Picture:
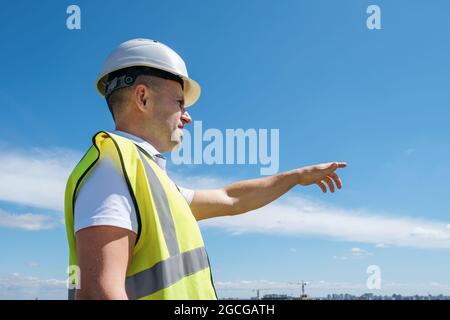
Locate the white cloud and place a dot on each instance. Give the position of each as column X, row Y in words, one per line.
column 445, row 286
column 358, row 252
column 27, row 221
column 340, row 258
column 296, row 216
column 17, row 286
column 253, row 284
column 33, row 264
column 199, row 181
column 36, row 177
column 429, row 233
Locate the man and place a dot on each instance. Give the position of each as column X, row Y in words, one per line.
column 132, row 232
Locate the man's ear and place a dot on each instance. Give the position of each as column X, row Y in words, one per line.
column 141, row 96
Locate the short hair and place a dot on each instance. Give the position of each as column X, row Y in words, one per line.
column 117, row 100
column 120, row 82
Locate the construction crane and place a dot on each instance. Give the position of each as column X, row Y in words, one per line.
column 303, row 284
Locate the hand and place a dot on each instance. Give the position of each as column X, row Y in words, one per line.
column 321, row 174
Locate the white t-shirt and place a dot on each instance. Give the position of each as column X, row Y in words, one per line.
column 104, row 199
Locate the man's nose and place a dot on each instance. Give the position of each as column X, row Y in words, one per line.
column 186, row 118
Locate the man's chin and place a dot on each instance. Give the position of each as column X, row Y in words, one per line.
column 176, row 138
column 175, row 145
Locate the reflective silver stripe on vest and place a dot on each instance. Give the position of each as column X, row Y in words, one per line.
column 162, row 207
column 165, row 273
column 71, row 294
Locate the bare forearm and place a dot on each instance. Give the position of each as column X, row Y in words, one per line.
column 252, row 194
column 249, row 195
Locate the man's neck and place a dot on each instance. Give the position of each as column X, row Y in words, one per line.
column 139, row 134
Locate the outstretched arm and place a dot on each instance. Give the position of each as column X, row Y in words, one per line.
column 252, row 194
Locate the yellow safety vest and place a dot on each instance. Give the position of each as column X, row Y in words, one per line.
column 169, row 258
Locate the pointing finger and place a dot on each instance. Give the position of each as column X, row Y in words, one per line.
column 336, row 165
column 341, row 164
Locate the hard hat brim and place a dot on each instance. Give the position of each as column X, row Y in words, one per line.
column 192, row 92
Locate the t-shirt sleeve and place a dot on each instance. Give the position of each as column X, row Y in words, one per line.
column 104, row 199
column 188, row 194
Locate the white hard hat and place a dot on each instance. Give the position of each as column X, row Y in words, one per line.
column 152, row 54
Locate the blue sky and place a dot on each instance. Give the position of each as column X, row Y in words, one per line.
column 377, row 99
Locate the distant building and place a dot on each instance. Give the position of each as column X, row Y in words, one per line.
column 277, row 297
